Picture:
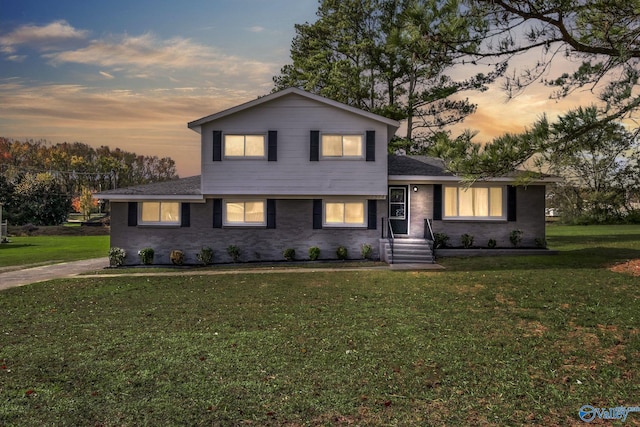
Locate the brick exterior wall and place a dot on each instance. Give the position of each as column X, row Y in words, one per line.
column 530, row 202
column 294, row 229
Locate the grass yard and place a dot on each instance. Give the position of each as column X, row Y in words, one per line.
column 492, row 341
column 28, row 250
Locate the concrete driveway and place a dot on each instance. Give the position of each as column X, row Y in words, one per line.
column 26, row 276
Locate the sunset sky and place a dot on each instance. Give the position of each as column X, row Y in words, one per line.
column 131, row 74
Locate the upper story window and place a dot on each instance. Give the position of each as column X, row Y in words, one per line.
column 341, row 145
column 159, row 213
column 345, row 214
column 244, row 212
column 244, row 146
column 474, row 202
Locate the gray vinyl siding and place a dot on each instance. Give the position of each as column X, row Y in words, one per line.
column 293, row 174
column 294, row 229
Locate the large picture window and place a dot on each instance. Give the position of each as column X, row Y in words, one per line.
column 474, row 202
column 244, row 212
column 159, row 213
column 341, row 145
column 345, row 214
column 244, row 146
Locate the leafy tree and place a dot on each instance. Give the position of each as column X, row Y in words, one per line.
column 603, row 36
column 85, row 203
column 598, row 166
column 39, row 199
column 389, row 57
column 78, row 165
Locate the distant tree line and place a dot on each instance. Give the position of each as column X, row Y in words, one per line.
column 39, row 180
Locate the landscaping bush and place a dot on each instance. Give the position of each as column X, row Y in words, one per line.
column 205, row 256
column 146, row 255
column 342, row 253
column 314, row 253
column 441, row 240
column 234, row 252
column 177, row 257
column 116, row 256
column 491, row 244
column 541, row 242
column 289, row 254
column 466, row 240
column 515, row 237
column 366, row 251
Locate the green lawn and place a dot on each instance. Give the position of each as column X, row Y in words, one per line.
column 493, row 341
column 50, row 249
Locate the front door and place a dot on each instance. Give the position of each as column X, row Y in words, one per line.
column 398, row 214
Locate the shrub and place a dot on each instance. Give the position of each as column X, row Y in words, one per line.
column 205, row 256
column 177, row 257
column 467, row 240
column 366, row 251
column 342, row 252
column 541, row 242
column 440, row 240
column 146, row 255
column 632, row 217
column 116, row 256
column 314, row 253
column 515, row 237
column 491, row 243
column 234, row 252
column 289, row 254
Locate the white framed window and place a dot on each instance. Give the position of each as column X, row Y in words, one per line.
column 159, row 213
column 345, row 213
column 244, row 146
column 244, row 212
column 486, row 202
column 334, row 145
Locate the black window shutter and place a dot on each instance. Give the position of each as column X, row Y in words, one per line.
column 437, row 202
column 217, row 213
column 217, row 145
column 185, row 215
column 511, row 202
column 272, row 152
column 271, row 213
column 132, row 214
column 371, row 146
column 317, row 214
column 314, row 146
column 372, row 214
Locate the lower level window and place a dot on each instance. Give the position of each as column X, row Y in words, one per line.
column 348, row 214
column 159, row 213
column 474, row 202
column 244, row 212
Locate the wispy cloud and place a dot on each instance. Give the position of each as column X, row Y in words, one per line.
column 147, row 56
column 52, row 36
column 106, row 75
column 152, row 121
column 256, row 29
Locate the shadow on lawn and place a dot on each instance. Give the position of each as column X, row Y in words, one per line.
column 16, row 245
column 586, row 258
column 596, row 238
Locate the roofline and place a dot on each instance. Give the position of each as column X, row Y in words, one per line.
column 196, row 198
column 196, row 124
column 436, row 179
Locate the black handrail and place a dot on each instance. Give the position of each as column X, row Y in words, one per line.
column 391, row 237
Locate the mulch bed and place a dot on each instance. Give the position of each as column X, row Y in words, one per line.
column 630, row 267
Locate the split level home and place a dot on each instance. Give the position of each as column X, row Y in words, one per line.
column 294, row 170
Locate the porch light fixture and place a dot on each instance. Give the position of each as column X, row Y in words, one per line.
column 415, row 188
